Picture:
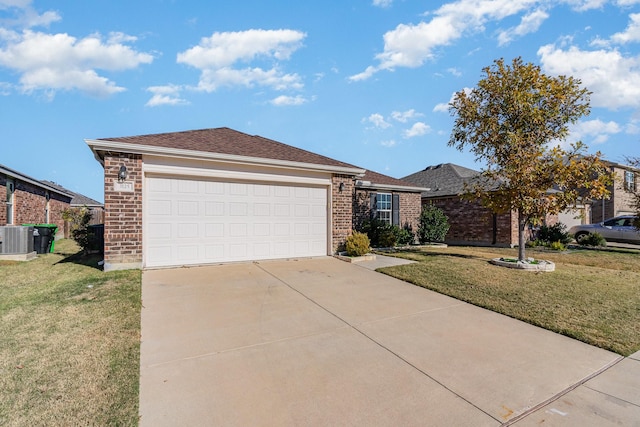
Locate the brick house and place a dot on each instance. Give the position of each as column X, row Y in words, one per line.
column 219, row 195
column 29, row 201
column 622, row 199
column 469, row 221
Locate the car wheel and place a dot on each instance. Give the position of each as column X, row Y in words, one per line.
column 581, row 235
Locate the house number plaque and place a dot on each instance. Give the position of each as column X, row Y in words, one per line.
column 123, row 186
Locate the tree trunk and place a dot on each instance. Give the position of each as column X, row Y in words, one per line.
column 522, row 228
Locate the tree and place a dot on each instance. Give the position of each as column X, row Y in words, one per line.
column 514, row 121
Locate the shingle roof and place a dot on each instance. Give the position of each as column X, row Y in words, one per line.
column 78, row 199
column 230, row 142
column 43, row 184
column 445, row 179
column 378, row 178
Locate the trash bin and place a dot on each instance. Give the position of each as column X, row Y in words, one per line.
column 47, row 233
column 96, row 232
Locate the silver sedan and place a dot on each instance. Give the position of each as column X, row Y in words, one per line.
column 618, row 229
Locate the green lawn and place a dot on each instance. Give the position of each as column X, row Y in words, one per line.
column 593, row 296
column 69, row 342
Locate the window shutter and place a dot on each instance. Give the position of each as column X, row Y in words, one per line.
column 373, row 206
column 395, row 210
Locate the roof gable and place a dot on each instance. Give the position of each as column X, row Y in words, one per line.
column 229, row 142
column 446, row 179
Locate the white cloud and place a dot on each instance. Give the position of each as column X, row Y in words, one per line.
column 529, row 23
column 283, row 100
column 444, row 106
column 418, row 129
column 410, row 45
column 388, row 143
column 377, row 120
column 218, row 56
column 613, row 78
column 382, row 3
column 53, row 62
column 25, row 16
column 165, row 95
column 5, row 88
column 631, row 33
column 405, row 116
column 596, row 131
column 584, row 5
column 454, row 72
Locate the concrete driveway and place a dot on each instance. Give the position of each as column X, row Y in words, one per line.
column 324, row 342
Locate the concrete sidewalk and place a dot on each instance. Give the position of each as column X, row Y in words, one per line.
column 324, row 342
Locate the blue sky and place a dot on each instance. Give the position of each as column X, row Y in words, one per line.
column 366, row 82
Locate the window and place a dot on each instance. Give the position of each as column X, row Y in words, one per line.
column 629, row 181
column 383, row 207
column 10, row 190
column 47, row 197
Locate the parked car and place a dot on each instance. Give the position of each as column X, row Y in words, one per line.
column 618, row 229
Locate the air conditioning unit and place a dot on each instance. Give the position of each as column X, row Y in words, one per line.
column 16, row 240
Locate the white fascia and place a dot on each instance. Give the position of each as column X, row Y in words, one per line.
column 373, row 186
column 97, row 145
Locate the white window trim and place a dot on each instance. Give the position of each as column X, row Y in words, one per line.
column 389, row 219
column 629, row 184
column 10, row 186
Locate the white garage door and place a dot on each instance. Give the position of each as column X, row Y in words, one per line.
column 192, row 221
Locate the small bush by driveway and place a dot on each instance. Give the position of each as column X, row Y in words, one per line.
column 593, row 296
column 69, row 342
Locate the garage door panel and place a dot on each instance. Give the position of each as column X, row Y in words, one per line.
column 189, row 222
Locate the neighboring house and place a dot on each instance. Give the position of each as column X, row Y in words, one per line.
column 621, row 201
column 219, row 195
column 469, row 221
column 81, row 201
column 30, row 201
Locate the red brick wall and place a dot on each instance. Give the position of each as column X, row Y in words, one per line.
column 471, row 223
column 29, row 202
column 341, row 210
column 123, row 212
column 410, row 207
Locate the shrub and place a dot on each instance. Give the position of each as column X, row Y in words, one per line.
column 593, row 239
column 555, row 233
column 357, row 244
column 433, row 225
column 79, row 219
column 557, row 246
column 404, row 235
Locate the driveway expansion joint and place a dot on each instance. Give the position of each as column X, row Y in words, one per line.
column 557, row 396
column 355, row 328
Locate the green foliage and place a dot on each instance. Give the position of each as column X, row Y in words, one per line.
column 593, row 239
column 357, row 244
column 79, row 218
column 433, row 225
column 405, row 235
column 557, row 246
column 512, row 121
column 555, row 233
column 385, row 235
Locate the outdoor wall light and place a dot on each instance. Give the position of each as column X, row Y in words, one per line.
column 122, row 174
column 341, row 187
